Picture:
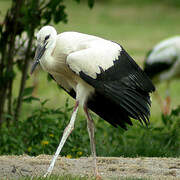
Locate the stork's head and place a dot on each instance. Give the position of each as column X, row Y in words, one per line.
column 46, row 38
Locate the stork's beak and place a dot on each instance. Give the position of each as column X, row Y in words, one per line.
column 38, row 54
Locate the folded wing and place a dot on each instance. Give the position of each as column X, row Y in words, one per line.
column 118, row 79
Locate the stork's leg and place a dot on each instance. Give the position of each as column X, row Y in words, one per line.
column 160, row 101
column 167, row 101
column 66, row 133
column 90, row 127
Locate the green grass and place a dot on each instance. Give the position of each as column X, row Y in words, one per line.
column 137, row 29
column 55, row 177
column 69, row 177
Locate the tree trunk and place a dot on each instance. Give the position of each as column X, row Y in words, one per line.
column 7, row 59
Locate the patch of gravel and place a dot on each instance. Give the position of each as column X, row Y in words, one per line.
column 109, row 167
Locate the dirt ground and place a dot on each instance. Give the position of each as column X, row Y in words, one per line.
column 12, row 167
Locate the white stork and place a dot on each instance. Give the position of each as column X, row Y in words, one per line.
column 163, row 64
column 99, row 75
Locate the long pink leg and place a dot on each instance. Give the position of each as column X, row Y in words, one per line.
column 160, row 101
column 167, row 106
column 90, row 127
column 66, row 133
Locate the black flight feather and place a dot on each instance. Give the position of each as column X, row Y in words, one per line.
column 121, row 92
column 127, row 89
column 106, row 109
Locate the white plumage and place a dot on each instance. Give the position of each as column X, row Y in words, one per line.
column 99, row 75
column 163, row 64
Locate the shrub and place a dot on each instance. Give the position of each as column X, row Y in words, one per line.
column 40, row 133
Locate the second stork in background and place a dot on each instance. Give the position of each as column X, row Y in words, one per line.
column 162, row 64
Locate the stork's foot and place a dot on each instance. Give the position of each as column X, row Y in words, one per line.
column 48, row 173
column 98, row 177
column 96, row 171
column 166, row 112
column 50, row 168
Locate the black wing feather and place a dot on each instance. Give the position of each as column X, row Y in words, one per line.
column 108, row 110
column 127, row 87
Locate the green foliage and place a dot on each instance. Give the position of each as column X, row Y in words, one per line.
column 24, row 16
column 157, row 141
column 143, row 2
column 90, row 2
column 40, row 133
column 55, row 177
column 70, row 177
column 161, row 140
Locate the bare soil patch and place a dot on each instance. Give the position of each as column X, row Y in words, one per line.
column 109, row 167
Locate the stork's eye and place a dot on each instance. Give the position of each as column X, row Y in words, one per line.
column 47, row 37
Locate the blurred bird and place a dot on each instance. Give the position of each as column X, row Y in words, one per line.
column 163, row 64
column 99, row 75
column 21, row 45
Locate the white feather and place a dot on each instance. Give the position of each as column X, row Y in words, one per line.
column 80, row 52
column 100, row 53
column 166, row 50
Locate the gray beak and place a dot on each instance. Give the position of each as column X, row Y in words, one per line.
column 38, row 54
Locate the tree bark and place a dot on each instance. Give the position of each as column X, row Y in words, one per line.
column 11, row 34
